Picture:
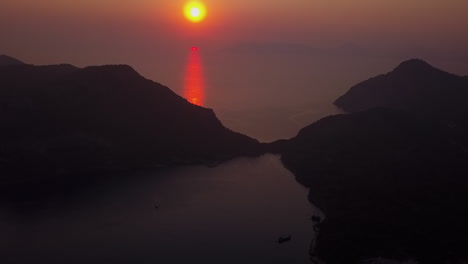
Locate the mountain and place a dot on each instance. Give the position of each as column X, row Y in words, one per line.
column 413, row 86
column 7, row 60
column 61, row 120
column 391, row 185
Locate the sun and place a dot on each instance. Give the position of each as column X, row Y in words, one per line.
column 195, row 11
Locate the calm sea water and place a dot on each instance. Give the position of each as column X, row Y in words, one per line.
column 233, row 213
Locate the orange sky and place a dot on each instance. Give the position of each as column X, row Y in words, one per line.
column 298, row 20
column 106, row 31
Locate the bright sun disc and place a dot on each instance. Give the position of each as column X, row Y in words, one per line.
column 195, row 11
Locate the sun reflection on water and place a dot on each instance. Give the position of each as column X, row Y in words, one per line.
column 194, row 84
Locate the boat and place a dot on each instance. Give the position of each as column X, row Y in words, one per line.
column 283, row 239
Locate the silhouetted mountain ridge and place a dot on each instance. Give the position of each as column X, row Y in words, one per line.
column 414, row 65
column 413, row 86
column 391, row 176
column 71, row 120
column 7, row 60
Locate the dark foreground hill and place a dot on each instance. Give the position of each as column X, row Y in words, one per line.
column 7, row 60
column 391, row 185
column 413, row 86
column 60, row 120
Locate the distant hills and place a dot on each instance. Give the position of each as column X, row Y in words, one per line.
column 60, row 120
column 413, row 86
column 7, row 60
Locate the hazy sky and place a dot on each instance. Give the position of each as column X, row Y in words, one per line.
column 29, row 26
column 153, row 36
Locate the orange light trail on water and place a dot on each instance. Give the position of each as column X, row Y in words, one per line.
column 194, row 90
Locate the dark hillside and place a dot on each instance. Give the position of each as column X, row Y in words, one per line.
column 61, row 120
column 391, row 185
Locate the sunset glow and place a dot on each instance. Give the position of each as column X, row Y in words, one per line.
column 195, row 11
